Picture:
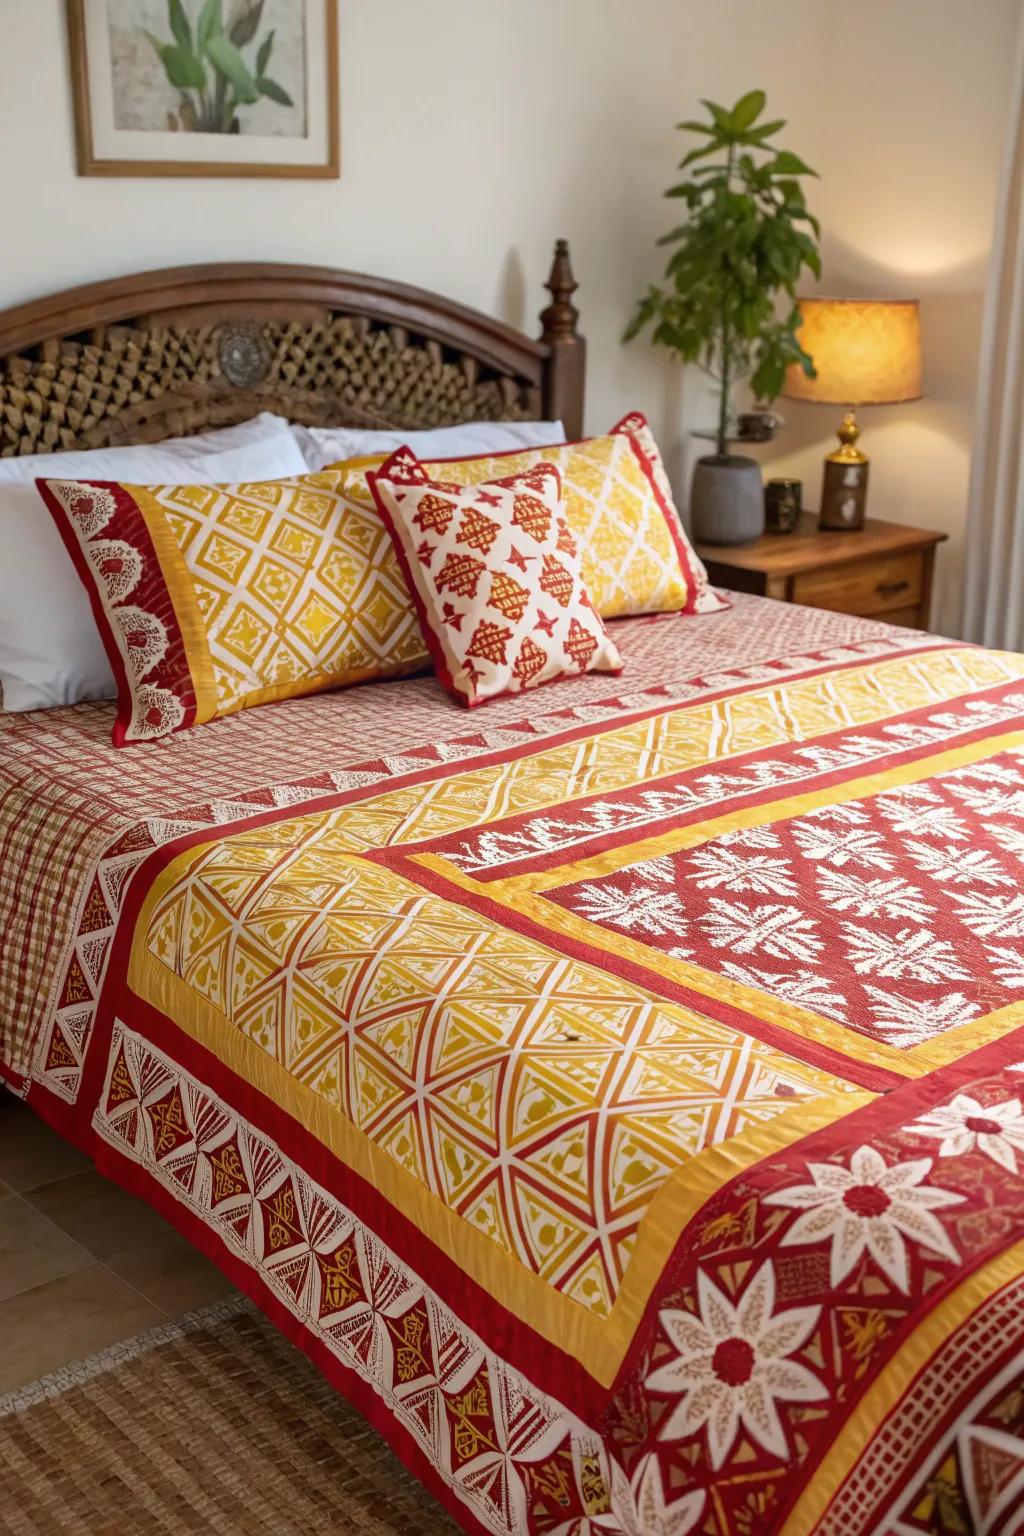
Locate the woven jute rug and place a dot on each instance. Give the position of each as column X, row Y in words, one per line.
column 214, row 1425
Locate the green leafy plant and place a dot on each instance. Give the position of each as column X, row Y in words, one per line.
column 748, row 237
column 205, row 64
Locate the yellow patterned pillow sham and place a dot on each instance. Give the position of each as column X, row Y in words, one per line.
column 634, row 553
column 212, row 599
column 635, row 556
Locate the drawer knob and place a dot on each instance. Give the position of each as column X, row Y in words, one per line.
column 891, row 588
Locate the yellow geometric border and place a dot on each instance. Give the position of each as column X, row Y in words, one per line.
column 599, row 1343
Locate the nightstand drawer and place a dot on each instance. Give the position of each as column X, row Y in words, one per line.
column 863, row 587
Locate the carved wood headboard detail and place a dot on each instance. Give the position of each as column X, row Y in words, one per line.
column 165, row 354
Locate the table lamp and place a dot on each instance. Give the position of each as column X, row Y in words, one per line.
column 866, row 352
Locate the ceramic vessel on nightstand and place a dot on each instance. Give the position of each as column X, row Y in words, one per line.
column 727, row 499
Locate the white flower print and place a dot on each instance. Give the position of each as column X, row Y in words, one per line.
column 918, row 955
column 751, row 837
column 959, row 866
column 990, row 801
column 1006, row 963
column 633, row 906
column 716, row 867
column 996, row 1130
column 780, row 931
column 987, row 772
column 842, row 845
column 991, row 914
column 733, row 1366
column 870, row 1207
column 662, row 869
column 804, row 988
column 642, row 1509
column 848, row 812
column 872, row 898
column 904, row 1021
column 917, row 808
column 1010, row 839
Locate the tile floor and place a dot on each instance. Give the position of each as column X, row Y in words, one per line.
column 82, row 1264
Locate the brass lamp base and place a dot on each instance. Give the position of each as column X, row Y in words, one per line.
column 844, row 490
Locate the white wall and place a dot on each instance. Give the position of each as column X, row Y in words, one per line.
column 475, row 131
column 917, row 95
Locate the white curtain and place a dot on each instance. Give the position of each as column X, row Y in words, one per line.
column 994, row 576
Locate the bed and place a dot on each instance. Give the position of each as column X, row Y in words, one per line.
column 616, row 1093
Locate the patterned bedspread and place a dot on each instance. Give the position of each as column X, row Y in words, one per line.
column 618, row 1095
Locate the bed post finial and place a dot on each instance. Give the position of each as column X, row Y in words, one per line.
column 564, row 380
column 560, row 317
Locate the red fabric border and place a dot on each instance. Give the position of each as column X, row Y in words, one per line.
column 137, row 1180
column 154, row 598
column 670, row 514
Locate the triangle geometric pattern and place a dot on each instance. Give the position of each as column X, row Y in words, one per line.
column 541, row 1099
column 971, row 1479
column 505, row 1450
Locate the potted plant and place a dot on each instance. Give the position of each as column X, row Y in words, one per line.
column 747, row 239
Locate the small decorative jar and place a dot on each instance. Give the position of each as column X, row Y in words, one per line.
column 782, row 505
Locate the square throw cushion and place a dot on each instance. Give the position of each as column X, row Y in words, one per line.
column 51, row 652
column 327, row 445
column 495, row 574
column 212, row 599
column 635, row 556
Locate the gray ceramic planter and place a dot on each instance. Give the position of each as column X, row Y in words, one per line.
column 727, row 500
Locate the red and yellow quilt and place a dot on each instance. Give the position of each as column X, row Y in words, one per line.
column 624, row 1106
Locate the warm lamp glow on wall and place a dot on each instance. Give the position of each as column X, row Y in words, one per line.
column 866, row 352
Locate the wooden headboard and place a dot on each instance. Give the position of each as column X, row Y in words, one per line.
column 166, row 354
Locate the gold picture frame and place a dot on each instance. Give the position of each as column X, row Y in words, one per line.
column 263, row 128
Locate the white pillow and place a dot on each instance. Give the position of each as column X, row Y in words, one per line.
column 50, row 649
column 330, row 445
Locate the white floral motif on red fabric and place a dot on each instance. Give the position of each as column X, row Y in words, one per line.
column 871, row 1208
column 496, row 576
column 732, row 1364
column 994, row 1130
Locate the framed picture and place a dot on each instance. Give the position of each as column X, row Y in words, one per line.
column 206, row 87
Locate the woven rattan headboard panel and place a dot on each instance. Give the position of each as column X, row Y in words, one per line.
column 169, row 353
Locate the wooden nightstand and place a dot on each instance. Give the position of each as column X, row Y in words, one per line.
column 883, row 570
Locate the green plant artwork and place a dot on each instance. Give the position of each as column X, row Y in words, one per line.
column 206, row 65
column 743, row 247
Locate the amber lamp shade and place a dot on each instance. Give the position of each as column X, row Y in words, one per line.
column 865, row 352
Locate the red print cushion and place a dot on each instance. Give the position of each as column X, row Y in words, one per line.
column 495, row 575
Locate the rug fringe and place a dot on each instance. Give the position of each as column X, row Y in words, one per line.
column 58, row 1382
